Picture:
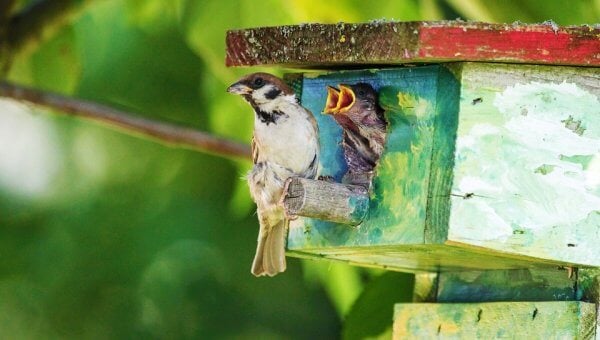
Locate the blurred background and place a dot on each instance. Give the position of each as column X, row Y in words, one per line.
column 105, row 235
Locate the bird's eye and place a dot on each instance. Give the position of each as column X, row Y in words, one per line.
column 258, row 83
column 361, row 93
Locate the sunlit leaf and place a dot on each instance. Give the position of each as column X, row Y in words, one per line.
column 341, row 281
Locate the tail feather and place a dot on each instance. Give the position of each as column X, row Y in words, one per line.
column 270, row 251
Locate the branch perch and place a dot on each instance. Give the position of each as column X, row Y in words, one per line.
column 335, row 202
column 170, row 134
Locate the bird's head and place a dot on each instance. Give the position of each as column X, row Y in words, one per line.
column 262, row 89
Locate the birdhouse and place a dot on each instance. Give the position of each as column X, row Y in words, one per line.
column 489, row 182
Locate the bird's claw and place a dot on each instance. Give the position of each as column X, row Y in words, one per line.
column 284, row 195
column 326, row 178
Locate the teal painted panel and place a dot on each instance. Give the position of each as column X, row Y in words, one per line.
column 399, row 199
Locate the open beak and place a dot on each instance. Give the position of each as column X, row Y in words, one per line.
column 239, row 88
column 333, row 96
column 346, row 99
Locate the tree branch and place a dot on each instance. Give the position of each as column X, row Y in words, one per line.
column 165, row 133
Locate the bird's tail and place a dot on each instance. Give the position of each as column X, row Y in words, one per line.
column 270, row 251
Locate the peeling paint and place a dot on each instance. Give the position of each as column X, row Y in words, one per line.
column 538, row 172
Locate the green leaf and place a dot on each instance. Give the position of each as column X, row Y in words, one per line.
column 341, row 281
column 54, row 66
column 371, row 315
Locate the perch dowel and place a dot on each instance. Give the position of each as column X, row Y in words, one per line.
column 335, row 202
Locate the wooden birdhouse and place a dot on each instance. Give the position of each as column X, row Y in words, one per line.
column 489, row 184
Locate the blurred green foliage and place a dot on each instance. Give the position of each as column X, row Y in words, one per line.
column 105, row 235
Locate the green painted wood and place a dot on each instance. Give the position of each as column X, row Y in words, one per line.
column 511, row 285
column 493, row 320
column 410, row 97
column 589, row 290
column 401, row 202
column 507, row 285
column 487, row 166
column 527, row 164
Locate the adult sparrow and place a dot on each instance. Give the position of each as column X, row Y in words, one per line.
column 285, row 144
column 356, row 110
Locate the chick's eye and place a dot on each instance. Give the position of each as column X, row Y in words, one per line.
column 361, row 92
column 258, row 82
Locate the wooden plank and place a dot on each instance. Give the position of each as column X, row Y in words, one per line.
column 378, row 42
column 590, row 291
column 417, row 258
column 527, row 162
column 492, row 320
column 507, row 285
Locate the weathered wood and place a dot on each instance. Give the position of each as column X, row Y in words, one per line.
column 527, row 171
column 400, row 191
column 507, row 285
column 590, row 291
column 547, row 284
column 487, row 166
column 493, row 320
column 334, row 202
column 379, row 42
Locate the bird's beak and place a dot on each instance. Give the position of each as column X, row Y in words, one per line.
column 333, row 96
column 239, row 88
column 346, row 99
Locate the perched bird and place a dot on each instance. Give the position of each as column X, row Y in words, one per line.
column 285, row 144
column 356, row 110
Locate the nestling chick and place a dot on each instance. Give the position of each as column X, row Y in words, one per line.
column 355, row 109
column 285, row 144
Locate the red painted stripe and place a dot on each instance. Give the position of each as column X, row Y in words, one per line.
column 536, row 44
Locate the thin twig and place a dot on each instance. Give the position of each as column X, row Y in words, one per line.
column 166, row 133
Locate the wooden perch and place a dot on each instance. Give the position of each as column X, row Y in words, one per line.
column 334, row 202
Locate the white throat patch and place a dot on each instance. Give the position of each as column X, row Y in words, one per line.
column 266, row 104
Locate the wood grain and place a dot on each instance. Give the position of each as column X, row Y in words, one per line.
column 384, row 43
column 334, row 202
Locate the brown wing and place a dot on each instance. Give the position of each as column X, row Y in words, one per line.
column 254, row 151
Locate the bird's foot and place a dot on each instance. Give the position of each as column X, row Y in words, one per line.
column 326, row 178
column 285, row 195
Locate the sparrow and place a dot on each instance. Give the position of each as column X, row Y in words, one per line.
column 355, row 108
column 284, row 144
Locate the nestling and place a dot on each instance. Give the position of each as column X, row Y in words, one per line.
column 285, row 144
column 356, row 110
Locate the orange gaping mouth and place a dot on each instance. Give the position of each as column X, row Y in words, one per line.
column 339, row 101
column 333, row 96
column 346, row 99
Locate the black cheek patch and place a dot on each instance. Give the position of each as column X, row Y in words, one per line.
column 272, row 94
column 266, row 117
